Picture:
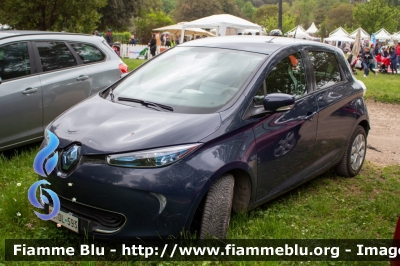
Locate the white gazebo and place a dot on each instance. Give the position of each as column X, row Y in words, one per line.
column 222, row 23
column 312, row 29
column 299, row 33
column 339, row 32
column 383, row 35
column 177, row 29
column 364, row 35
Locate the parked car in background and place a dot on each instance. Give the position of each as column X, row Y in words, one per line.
column 42, row 74
column 208, row 127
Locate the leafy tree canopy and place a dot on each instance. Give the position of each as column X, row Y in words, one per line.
column 55, row 15
column 271, row 22
column 188, row 10
column 117, row 14
column 152, row 20
column 248, row 10
column 168, row 5
column 266, row 11
column 341, row 16
column 376, row 14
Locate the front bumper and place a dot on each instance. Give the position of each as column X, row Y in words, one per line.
column 115, row 203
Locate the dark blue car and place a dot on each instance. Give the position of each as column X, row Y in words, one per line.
column 210, row 127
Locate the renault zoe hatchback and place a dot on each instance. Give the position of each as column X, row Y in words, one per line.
column 210, row 127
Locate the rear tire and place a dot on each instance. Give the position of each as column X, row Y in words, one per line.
column 217, row 208
column 354, row 156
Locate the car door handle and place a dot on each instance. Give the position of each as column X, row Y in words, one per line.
column 82, row 78
column 310, row 116
column 30, row 91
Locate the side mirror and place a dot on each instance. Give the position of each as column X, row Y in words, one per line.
column 1, row 80
column 277, row 102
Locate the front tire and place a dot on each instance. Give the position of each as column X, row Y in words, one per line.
column 217, row 208
column 354, row 155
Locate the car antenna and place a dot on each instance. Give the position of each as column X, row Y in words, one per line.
column 294, row 36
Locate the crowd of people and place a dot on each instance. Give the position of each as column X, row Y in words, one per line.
column 379, row 58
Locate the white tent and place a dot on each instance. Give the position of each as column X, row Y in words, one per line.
column 222, row 23
column 364, row 34
column 177, row 29
column 339, row 39
column 299, row 33
column 339, row 32
column 312, row 29
column 383, row 35
column 396, row 36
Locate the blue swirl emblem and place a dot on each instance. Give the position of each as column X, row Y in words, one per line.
column 44, row 153
column 32, row 198
column 43, row 169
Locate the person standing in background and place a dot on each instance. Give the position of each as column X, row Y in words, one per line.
column 158, row 43
column 393, row 59
column 398, row 54
column 367, row 61
column 109, row 38
column 132, row 40
column 152, row 45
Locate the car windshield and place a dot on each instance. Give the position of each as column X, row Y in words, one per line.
column 191, row 79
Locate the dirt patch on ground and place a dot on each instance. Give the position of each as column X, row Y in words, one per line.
column 384, row 136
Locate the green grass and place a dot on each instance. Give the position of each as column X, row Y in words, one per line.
column 382, row 88
column 328, row 207
column 133, row 63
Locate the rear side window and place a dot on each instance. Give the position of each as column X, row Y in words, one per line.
column 326, row 69
column 55, row 55
column 14, row 61
column 88, row 53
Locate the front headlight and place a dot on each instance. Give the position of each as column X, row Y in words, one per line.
column 46, row 135
column 151, row 158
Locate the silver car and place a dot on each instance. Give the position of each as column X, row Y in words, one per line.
column 42, row 74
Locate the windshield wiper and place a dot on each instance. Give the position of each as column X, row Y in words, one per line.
column 159, row 107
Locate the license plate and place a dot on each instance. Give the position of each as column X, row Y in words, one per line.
column 65, row 220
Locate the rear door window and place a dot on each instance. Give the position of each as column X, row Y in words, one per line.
column 88, row 53
column 326, row 69
column 55, row 55
column 14, row 61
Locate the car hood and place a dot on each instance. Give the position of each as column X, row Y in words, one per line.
column 104, row 127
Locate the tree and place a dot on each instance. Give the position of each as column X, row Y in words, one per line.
column 168, row 5
column 269, row 11
column 376, row 14
column 271, row 22
column 304, row 10
column 117, row 14
column 240, row 3
column 188, row 10
column 248, row 10
column 263, row 11
column 55, row 15
column 341, row 15
column 145, row 24
column 230, row 7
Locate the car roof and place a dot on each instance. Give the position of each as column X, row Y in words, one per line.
column 13, row 33
column 258, row 44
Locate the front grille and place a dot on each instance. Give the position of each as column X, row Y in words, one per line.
column 107, row 219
